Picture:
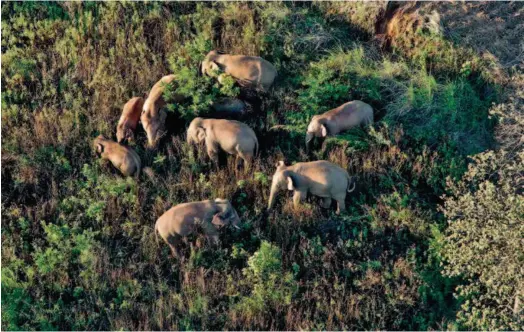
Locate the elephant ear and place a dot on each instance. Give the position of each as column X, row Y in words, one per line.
column 99, row 148
column 324, row 130
column 201, row 134
column 291, row 182
column 214, row 66
column 219, row 219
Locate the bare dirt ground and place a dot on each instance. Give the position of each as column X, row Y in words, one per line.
column 493, row 29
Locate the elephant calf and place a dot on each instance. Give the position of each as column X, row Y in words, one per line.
column 122, row 157
column 182, row 219
column 344, row 117
column 129, row 119
column 235, row 138
column 153, row 117
column 320, row 178
column 249, row 70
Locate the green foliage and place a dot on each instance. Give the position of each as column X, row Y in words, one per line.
column 200, row 90
column 95, row 193
column 483, row 242
column 78, row 249
column 271, row 289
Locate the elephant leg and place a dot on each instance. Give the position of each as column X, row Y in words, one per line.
column 213, row 155
column 298, row 197
column 326, row 202
column 247, row 157
column 174, row 243
column 341, row 204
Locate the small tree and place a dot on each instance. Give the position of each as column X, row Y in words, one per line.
column 484, row 241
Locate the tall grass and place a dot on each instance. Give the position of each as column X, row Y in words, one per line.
column 78, row 249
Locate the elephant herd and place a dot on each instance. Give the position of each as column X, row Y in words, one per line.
column 319, row 178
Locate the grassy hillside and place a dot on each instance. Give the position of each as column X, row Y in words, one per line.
column 78, row 248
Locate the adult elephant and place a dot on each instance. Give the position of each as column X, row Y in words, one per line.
column 337, row 120
column 182, row 220
column 153, row 115
column 233, row 137
column 125, row 159
column 251, row 71
column 320, row 178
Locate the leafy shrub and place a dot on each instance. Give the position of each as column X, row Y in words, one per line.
column 78, row 249
column 271, row 289
column 200, row 90
column 483, row 242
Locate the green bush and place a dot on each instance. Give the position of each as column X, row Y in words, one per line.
column 271, row 289
column 78, row 244
column 483, row 242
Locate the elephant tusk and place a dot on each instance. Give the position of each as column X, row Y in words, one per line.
column 351, row 190
column 236, row 226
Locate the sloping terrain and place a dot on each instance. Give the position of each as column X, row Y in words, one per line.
column 78, row 244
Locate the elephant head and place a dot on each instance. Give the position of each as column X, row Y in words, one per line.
column 209, row 66
column 282, row 179
column 196, row 133
column 226, row 214
column 316, row 128
column 154, row 126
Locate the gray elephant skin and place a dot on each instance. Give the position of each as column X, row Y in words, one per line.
column 182, row 220
column 250, row 71
column 233, row 137
column 229, row 107
column 319, row 178
column 125, row 159
column 153, row 116
column 125, row 130
column 337, row 120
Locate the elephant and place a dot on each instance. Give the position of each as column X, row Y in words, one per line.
column 251, row 71
column 129, row 119
column 181, row 220
column 229, row 107
column 234, row 137
column 153, row 117
column 122, row 157
column 344, row 117
column 320, row 178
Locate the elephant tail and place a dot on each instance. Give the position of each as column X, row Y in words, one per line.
column 138, row 168
column 156, row 233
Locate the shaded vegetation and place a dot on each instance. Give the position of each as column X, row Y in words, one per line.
column 78, row 249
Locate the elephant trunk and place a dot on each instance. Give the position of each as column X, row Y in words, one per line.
column 309, row 140
column 236, row 220
column 272, row 197
column 151, row 143
column 352, row 184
